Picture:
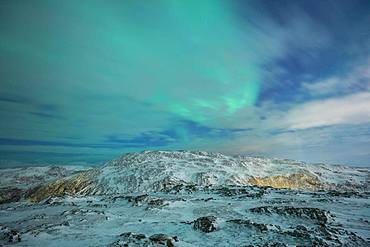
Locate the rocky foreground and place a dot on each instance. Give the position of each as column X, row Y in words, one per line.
column 186, row 199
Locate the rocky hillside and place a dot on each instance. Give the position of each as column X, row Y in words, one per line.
column 187, row 199
column 162, row 170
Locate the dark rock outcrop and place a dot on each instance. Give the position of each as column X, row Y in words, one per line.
column 316, row 214
column 163, row 239
column 9, row 235
column 139, row 239
column 241, row 191
column 206, row 224
column 258, row 226
column 9, row 194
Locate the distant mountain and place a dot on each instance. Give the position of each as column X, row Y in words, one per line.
column 163, row 170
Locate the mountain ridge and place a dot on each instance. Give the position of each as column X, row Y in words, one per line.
column 157, row 170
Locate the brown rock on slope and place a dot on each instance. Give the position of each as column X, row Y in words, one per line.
column 81, row 183
column 292, row 181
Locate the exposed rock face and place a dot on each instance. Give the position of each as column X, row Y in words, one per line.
column 10, row 195
column 206, row 224
column 138, row 239
column 240, row 191
column 318, row 215
column 293, row 181
column 82, row 183
column 157, row 203
column 258, row 226
column 163, row 239
column 9, row 235
column 138, row 200
column 268, row 245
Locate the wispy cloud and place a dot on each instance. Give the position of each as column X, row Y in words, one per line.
column 352, row 109
column 356, row 79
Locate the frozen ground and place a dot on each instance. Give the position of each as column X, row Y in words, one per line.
column 186, row 199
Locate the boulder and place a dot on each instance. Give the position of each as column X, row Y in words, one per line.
column 206, row 224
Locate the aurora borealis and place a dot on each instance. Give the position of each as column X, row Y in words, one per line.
column 88, row 80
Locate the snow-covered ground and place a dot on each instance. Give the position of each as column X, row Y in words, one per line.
column 185, row 198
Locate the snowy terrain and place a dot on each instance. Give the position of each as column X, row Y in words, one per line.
column 159, row 198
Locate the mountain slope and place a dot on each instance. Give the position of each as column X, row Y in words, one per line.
column 158, row 170
column 186, row 199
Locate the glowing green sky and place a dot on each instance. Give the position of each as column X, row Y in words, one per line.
column 106, row 77
column 189, row 58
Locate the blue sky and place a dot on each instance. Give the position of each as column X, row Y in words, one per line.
column 88, row 80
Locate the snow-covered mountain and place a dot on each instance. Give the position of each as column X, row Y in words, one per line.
column 157, row 170
column 184, row 198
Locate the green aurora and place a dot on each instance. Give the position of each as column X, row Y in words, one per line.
column 106, row 77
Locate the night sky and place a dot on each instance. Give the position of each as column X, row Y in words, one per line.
column 89, row 80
